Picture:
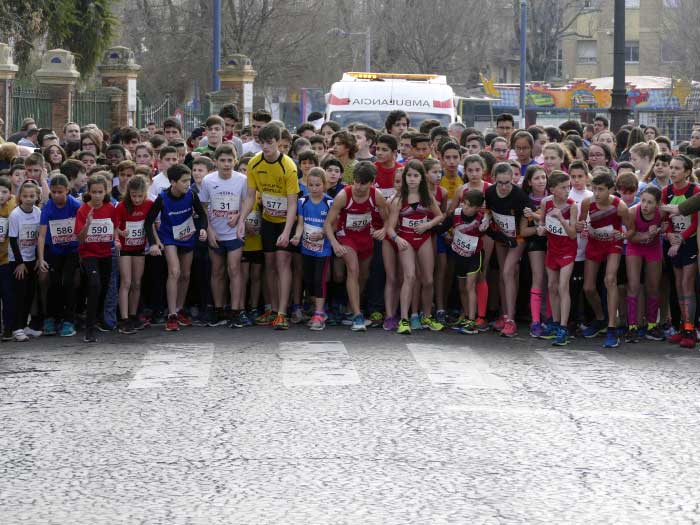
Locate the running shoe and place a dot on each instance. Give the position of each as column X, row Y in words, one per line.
column 20, row 336
column 171, row 325
column 468, row 328
column 89, row 336
column 266, row 318
column 654, row 333
column 236, row 321
column 126, row 326
column 632, row 336
column 297, row 314
column 244, row 319
column 612, row 340
column 441, row 317
column 562, row 338
column 49, row 327
column 390, row 324
column 144, row 321
column 31, row 332
column 317, row 323
column 549, row 331
column 217, row 318
column 358, row 323
column 459, row 323
column 510, row 329
column 415, row 322
column 348, row 319
column 482, row 325
column 7, row 335
column 183, row 319
column 404, row 327
column 377, row 319
column 429, row 322
column 676, row 338
column 688, row 340
column 499, row 323
column 536, row 330
column 280, row 322
column 595, row 329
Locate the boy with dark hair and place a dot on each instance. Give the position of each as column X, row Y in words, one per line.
column 344, row 148
column 306, row 130
column 427, row 126
column 405, row 147
column 365, row 137
column 129, row 138
column 166, row 158
column 318, row 145
column 420, row 147
column 352, row 210
column 397, row 123
column 172, row 129
column 505, row 125
column 274, row 175
column 75, row 172
column 258, row 119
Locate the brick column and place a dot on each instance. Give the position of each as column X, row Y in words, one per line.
column 8, row 70
column 118, row 70
column 237, row 76
column 59, row 76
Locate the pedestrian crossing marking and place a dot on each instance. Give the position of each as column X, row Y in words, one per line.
column 317, row 363
column 175, row 365
column 458, row 365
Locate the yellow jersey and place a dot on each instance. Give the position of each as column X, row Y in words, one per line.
column 275, row 181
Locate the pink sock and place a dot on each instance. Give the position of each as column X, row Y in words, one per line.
column 535, row 304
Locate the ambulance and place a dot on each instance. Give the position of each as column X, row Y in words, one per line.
column 369, row 97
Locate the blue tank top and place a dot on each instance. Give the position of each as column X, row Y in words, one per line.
column 314, row 217
column 176, row 220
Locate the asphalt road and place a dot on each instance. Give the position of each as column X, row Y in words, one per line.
column 252, row 426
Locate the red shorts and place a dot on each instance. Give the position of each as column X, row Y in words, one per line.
column 414, row 239
column 363, row 245
column 598, row 251
column 558, row 260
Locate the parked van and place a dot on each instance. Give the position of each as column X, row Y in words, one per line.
column 369, row 97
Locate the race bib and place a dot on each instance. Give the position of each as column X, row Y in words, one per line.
column 254, row 220
column 554, row 226
column 463, row 244
column 505, row 223
column 184, row 231
column 681, row 223
column 312, row 246
column 275, row 206
column 62, row 231
column 387, row 192
column 358, row 221
column 28, row 235
column 100, row 230
column 410, row 224
column 135, row 233
column 606, row 233
column 224, row 204
column 4, row 225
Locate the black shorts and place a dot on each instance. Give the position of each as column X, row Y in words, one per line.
column 536, row 244
column 269, row 233
column 133, row 253
column 315, row 272
column 253, row 257
column 465, row 266
column 687, row 254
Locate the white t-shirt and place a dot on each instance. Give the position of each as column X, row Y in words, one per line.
column 578, row 197
column 159, row 183
column 224, row 199
column 25, row 226
column 251, row 147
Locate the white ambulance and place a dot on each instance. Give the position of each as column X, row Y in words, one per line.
column 369, row 97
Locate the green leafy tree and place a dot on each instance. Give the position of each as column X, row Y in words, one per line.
column 84, row 27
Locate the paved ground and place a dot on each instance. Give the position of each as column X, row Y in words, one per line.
column 212, row 426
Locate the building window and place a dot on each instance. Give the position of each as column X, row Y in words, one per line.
column 632, row 52
column 672, row 4
column 587, row 52
column 559, row 62
column 631, row 4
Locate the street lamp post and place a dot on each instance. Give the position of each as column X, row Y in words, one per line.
column 216, row 45
column 336, row 31
column 523, row 59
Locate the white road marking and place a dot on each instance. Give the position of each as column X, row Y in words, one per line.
column 592, row 372
column 686, row 362
column 175, row 365
column 457, row 365
column 317, row 363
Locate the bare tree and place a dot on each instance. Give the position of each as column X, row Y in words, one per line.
column 680, row 38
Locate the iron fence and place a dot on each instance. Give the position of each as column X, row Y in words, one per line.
column 30, row 102
column 92, row 107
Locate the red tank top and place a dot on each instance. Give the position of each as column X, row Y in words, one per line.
column 356, row 217
column 557, row 238
column 605, row 222
column 410, row 216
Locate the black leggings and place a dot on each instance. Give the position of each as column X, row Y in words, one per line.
column 62, row 286
column 24, row 294
column 98, row 271
column 315, row 271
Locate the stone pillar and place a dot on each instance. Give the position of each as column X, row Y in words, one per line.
column 237, row 76
column 118, row 70
column 8, row 70
column 58, row 76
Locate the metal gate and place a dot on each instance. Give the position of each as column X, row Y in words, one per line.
column 92, row 107
column 154, row 113
column 29, row 102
